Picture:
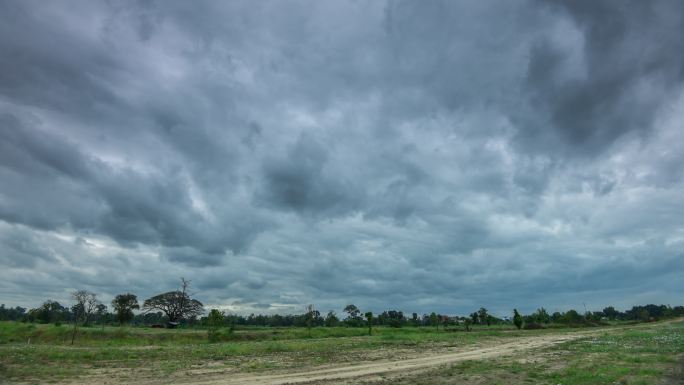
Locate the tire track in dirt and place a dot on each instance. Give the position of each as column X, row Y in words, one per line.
column 343, row 373
column 366, row 371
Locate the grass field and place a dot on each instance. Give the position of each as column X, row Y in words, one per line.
column 641, row 354
column 653, row 355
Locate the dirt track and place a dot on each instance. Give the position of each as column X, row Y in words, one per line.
column 372, row 370
column 413, row 362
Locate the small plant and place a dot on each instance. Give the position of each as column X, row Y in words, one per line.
column 517, row 319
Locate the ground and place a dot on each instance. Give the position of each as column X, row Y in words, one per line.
column 651, row 353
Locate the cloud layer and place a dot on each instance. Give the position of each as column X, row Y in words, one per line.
column 426, row 156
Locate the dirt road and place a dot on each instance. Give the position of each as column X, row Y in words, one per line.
column 375, row 369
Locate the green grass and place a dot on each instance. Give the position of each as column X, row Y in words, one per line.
column 617, row 356
column 30, row 351
column 15, row 332
column 635, row 356
column 43, row 352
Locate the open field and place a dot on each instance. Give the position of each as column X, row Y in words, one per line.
column 631, row 354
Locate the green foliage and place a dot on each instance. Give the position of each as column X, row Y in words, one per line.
column 434, row 320
column 369, row 319
column 331, row 319
column 177, row 305
column 483, row 316
column 49, row 312
column 517, row 319
column 12, row 314
column 393, row 318
column 353, row 315
column 571, row 317
column 541, row 316
column 214, row 323
column 123, row 305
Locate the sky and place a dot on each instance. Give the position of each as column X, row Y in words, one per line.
column 413, row 155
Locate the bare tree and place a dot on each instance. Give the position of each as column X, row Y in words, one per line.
column 86, row 304
column 176, row 304
column 310, row 314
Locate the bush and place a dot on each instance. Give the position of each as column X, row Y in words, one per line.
column 214, row 323
column 533, row 326
column 517, row 319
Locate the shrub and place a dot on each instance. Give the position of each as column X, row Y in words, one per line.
column 214, row 322
column 517, row 319
column 533, row 326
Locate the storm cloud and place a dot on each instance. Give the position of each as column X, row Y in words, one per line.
column 425, row 156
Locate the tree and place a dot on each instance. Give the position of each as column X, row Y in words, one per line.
column 11, row 314
column 123, row 305
column 540, row 316
column 354, row 315
column 369, row 318
column 517, row 319
column 434, row 320
column 414, row 319
column 393, row 318
column 214, row 323
column 610, row 312
column 331, row 319
column 571, row 317
column 466, row 322
column 483, row 316
column 49, row 311
column 309, row 317
column 177, row 305
column 444, row 320
column 101, row 313
column 86, row 304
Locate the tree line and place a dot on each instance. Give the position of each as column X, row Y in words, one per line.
column 170, row 308
column 177, row 307
column 124, row 304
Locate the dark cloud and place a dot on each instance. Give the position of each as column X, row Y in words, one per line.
column 302, row 182
column 423, row 156
column 626, row 64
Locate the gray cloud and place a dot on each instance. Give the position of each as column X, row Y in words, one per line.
column 624, row 64
column 424, row 156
